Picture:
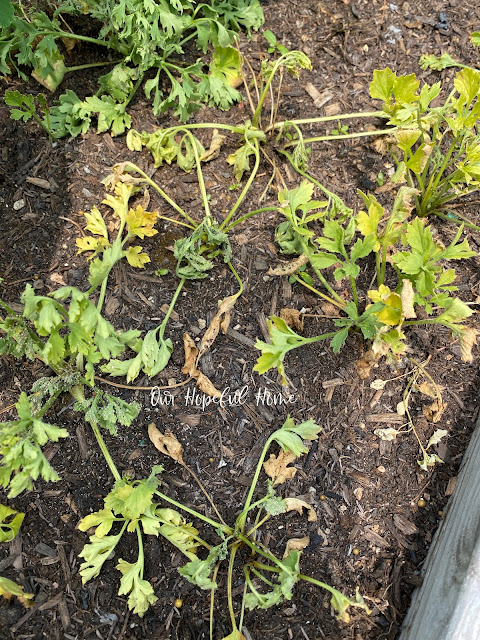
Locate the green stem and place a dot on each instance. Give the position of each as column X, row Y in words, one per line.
column 344, row 116
column 247, row 186
column 141, row 558
column 249, row 215
column 201, row 181
column 91, row 65
column 319, row 293
column 104, row 450
column 457, row 218
column 74, row 36
column 347, row 136
column 133, row 91
column 308, row 252
column 318, row 583
column 231, row 561
column 47, row 405
column 170, row 308
column 259, row 524
column 216, row 525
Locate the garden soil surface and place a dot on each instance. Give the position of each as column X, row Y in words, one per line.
column 371, row 533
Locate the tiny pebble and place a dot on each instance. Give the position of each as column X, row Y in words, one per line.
column 440, row 513
column 421, row 503
column 178, row 603
column 19, row 204
column 355, row 551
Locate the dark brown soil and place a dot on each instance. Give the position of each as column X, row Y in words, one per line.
column 365, row 491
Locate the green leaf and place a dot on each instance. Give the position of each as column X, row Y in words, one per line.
column 437, row 63
column 131, row 499
column 10, row 523
column 108, row 411
column 240, row 160
column 199, row 571
column 405, row 89
column 341, row 603
column 338, row 340
column 225, row 73
column 290, row 436
column 111, row 115
column 475, row 38
column 382, row 84
column 6, row 13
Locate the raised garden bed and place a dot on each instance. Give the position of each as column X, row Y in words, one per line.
column 376, row 510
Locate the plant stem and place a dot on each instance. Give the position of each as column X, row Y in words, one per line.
column 308, row 252
column 170, row 308
column 458, row 219
column 231, row 560
column 319, row 293
column 104, row 450
column 347, row 136
column 216, row 525
column 248, row 215
column 247, row 186
column 91, row 65
column 343, row 116
column 133, row 167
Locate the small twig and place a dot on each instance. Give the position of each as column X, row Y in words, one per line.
column 126, row 386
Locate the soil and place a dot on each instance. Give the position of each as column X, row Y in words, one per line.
column 371, row 532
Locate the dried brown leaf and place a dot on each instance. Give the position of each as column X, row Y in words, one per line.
column 467, row 338
column 434, row 411
column 190, row 368
column 289, row 268
column 293, row 318
column 364, row 365
column 294, row 504
column 427, row 389
column 220, row 321
column 215, row 146
column 167, row 443
column 296, row 544
column 277, row 467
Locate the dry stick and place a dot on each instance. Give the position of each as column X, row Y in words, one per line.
column 126, row 386
column 204, row 491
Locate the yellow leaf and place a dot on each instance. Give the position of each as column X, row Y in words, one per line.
column 8, row 588
column 294, row 504
column 167, row 443
column 119, row 203
column 140, row 223
column 277, row 467
column 89, row 243
column 95, row 222
column 391, row 315
column 136, row 258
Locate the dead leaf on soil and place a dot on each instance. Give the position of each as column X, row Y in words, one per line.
column 434, row 411
column 294, row 504
column 69, row 44
column 167, row 443
column 467, row 338
column 220, row 321
column 57, row 278
column 277, row 467
column 119, row 174
column 190, row 368
column 215, row 146
column 293, row 318
column 364, row 365
column 296, row 544
column 407, row 296
column 289, row 268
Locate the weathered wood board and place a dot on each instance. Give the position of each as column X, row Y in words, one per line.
column 447, row 605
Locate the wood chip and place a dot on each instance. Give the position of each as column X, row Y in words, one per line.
column 375, row 539
column 452, row 483
column 319, row 99
column 335, row 382
column 389, row 418
column 333, row 109
column 39, row 182
column 404, row 525
column 361, row 478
